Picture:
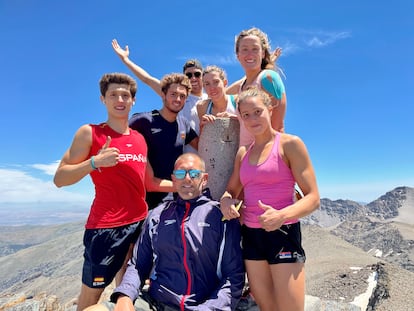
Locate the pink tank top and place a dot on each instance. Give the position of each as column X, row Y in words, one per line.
column 271, row 182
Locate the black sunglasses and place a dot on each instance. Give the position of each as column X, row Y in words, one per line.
column 196, row 74
column 180, row 174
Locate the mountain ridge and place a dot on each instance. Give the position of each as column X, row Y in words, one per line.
column 48, row 259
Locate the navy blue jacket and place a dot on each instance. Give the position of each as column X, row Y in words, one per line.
column 192, row 257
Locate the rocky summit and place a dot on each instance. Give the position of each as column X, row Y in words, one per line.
column 359, row 257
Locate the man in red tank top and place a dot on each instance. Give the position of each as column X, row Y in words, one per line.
column 115, row 157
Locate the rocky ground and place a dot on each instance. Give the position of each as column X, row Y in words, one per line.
column 342, row 261
column 337, row 273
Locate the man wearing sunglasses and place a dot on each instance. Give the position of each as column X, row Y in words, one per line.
column 192, row 69
column 191, row 256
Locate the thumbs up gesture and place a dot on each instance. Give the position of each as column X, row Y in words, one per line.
column 107, row 156
column 107, row 143
column 271, row 219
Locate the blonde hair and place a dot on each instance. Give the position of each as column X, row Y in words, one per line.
column 213, row 68
column 253, row 91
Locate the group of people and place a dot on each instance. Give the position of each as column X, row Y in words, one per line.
column 153, row 226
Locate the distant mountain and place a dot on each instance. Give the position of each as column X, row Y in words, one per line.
column 45, row 261
column 52, row 266
column 15, row 238
column 384, row 227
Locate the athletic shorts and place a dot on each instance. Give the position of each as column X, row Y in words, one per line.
column 105, row 253
column 280, row 246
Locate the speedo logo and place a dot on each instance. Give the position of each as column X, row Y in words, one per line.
column 169, row 222
column 155, row 130
column 203, row 224
column 126, row 157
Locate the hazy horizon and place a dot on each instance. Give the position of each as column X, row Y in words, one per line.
column 50, row 213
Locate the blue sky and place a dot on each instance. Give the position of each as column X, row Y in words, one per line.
column 348, row 65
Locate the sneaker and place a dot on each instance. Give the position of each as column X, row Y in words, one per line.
column 246, row 301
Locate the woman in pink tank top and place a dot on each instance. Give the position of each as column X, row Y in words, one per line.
column 267, row 172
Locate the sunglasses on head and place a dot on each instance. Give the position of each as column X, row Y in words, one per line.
column 180, row 174
column 196, row 74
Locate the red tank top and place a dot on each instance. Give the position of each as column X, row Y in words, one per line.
column 119, row 190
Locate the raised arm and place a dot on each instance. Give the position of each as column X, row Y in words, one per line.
column 138, row 71
column 275, row 55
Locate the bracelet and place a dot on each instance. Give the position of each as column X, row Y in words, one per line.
column 93, row 163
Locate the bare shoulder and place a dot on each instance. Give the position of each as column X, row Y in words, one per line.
column 202, row 102
column 286, row 137
column 241, row 152
column 85, row 129
column 201, row 107
column 290, row 142
column 235, row 87
column 84, row 134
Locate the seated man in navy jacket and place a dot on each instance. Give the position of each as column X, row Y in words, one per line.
column 192, row 258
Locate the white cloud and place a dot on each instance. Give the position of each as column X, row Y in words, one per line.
column 18, row 186
column 321, row 39
column 315, row 41
column 289, row 48
column 295, row 41
column 48, row 169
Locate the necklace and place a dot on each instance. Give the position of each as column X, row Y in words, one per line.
column 245, row 84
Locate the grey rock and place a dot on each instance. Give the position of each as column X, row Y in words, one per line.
column 345, row 242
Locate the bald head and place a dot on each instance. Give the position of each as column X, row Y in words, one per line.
column 189, row 177
column 191, row 157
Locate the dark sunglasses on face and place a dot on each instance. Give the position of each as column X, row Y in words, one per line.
column 196, row 74
column 180, row 174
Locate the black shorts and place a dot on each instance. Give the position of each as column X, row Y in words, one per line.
column 105, row 252
column 280, row 246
